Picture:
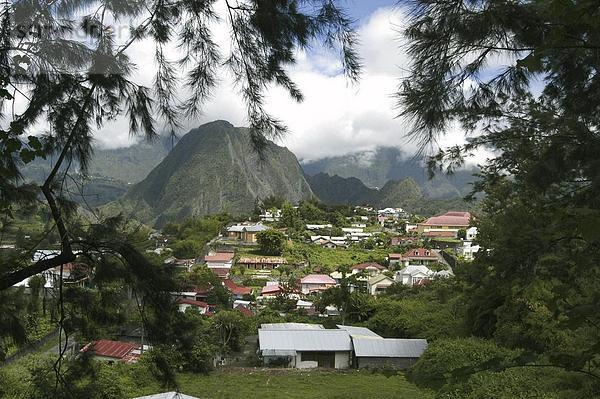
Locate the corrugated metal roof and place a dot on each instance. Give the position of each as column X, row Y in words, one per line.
column 306, row 340
column 291, row 326
column 388, row 347
column 358, row 331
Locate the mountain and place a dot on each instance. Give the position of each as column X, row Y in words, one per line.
column 405, row 193
column 376, row 168
column 214, row 169
column 132, row 164
column 341, row 190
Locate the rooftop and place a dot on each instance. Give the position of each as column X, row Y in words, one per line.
column 368, row 265
column 304, row 340
column 219, row 257
column 317, row 279
column 108, row 348
column 358, row 331
column 388, row 347
column 291, row 326
column 450, row 219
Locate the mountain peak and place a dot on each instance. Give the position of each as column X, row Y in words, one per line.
column 213, row 169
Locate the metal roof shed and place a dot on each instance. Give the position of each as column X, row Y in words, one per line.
column 358, row 331
column 305, row 340
column 291, row 326
column 377, row 352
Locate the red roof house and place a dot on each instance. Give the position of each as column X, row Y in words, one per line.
column 316, row 282
column 270, row 290
column 236, row 290
column 368, row 266
column 244, row 310
column 105, row 349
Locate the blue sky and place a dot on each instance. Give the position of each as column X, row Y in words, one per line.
column 361, row 9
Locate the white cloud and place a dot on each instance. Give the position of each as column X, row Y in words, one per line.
column 336, row 117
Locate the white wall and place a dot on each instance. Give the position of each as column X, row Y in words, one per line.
column 342, row 360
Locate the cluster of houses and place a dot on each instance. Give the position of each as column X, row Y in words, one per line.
column 300, row 345
column 350, row 235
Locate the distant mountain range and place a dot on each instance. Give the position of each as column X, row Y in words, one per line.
column 376, row 168
column 214, row 169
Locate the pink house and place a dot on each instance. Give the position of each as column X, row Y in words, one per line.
column 316, row 282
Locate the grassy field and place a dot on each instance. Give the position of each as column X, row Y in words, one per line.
column 266, row 384
column 131, row 381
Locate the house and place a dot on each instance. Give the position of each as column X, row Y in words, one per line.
column 468, row 250
column 350, row 230
column 414, row 275
column 378, row 284
column 316, row 283
column 107, row 350
column 271, row 289
column 244, row 310
column 449, row 221
column 245, row 233
column 471, row 233
column 237, row 291
column 183, row 264
column 305, row 348
column 318, row 226
column 368, row 267
column 370, row 352
column 308, row 306
column 301, row 345
column 441, row 234
column 221, row 260
column 329, row 242
column 264, row 263
column 270, row 216
column 403, row 240
column 416, row 256
column 221, row 272
column 393, row 213
column 185, row 303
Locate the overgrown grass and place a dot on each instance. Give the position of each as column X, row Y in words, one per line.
column 331, row 258
column 248, row 383
column 265, row 384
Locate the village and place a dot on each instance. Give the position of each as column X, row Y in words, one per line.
column 301, row 272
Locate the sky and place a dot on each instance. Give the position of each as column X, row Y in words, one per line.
column 336, row 117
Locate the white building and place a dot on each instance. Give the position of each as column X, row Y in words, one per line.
column 414, row 275
column 219, row 260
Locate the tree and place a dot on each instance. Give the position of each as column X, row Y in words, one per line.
column 541, row 203
column 62, row 83
column 76, row 85
column 462, row 234
column 271, row 242
column 290, row 217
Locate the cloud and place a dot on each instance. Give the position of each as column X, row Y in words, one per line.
column 336, row 117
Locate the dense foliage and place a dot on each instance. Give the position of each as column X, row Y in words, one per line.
column 522, row 77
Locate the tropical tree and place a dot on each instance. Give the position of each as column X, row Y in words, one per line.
column 521, row 77
column 271, row 242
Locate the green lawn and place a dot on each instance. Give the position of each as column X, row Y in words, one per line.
column 266, row 384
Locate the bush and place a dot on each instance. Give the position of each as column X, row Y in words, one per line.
column 442, row 357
